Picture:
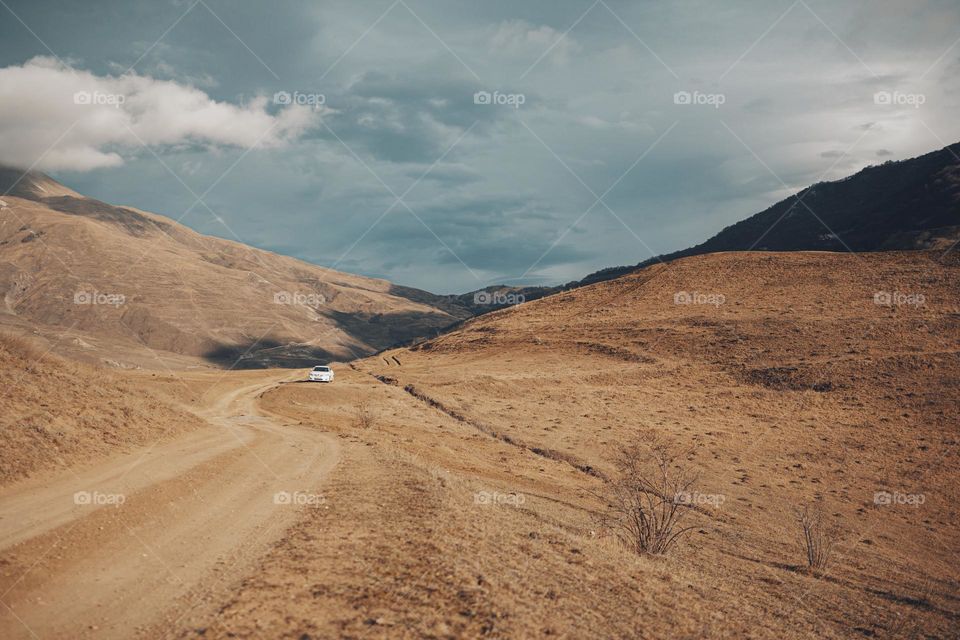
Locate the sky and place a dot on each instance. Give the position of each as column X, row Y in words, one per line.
column 450, row 145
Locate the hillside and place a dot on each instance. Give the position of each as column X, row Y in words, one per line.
column 124, row 281
column 792, row 378
column 910, row 204
column 57, row 414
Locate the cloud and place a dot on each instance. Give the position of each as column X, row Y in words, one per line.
column 517, row 37
column 409, row 116
column 596, row 104
column 63, row 118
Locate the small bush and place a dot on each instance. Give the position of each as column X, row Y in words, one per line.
column 644, row 508
column 363, row 414
column 818, row 537
column 20, row 347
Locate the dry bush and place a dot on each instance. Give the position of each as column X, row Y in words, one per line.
column 644, row 509
column 364, row 416
column 818, row 537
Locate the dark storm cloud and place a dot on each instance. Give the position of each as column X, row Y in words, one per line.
column 506, row 235
column 406, row 117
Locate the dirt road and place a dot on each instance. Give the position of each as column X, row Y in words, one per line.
column 144, row 543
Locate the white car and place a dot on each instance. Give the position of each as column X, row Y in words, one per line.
column 321, row 374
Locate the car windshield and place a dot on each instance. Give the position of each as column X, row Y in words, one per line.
column 321, row 368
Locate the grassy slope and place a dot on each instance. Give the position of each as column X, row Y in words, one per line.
column 797, row 389
column 56, row 413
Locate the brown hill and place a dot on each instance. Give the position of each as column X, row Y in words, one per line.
column 793, row 379
column 56, row 414
column 136, row 283
column 461, row 479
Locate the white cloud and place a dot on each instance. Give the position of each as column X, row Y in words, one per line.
column 72, row 119
column 519, row 37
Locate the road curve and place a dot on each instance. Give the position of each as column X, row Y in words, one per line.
column 195, row 514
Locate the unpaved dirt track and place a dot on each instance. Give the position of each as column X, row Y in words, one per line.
column 196, row 513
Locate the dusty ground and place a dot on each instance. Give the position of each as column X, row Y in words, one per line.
column 464, row 504
column 159, row 535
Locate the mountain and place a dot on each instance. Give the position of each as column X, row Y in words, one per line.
column 909, row 204
column 136, row 280
column 496, row 297
column 121, row 284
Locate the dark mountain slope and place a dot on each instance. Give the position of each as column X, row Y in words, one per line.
column 910, row 204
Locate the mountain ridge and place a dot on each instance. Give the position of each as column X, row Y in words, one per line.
column 181, row 292
column 897, row 205
column 930, row 183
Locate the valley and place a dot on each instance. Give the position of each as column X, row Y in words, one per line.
column 418, row 320
column 458, row 480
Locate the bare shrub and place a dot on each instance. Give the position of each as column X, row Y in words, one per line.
column 818, row 537
column 364, row 416
column 645, row 505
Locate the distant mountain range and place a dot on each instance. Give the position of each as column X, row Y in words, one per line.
column 898, row 205
column 229, row 303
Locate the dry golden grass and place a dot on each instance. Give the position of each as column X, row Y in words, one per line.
column 798, row 388
column 190, row 294
column 56, row 413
